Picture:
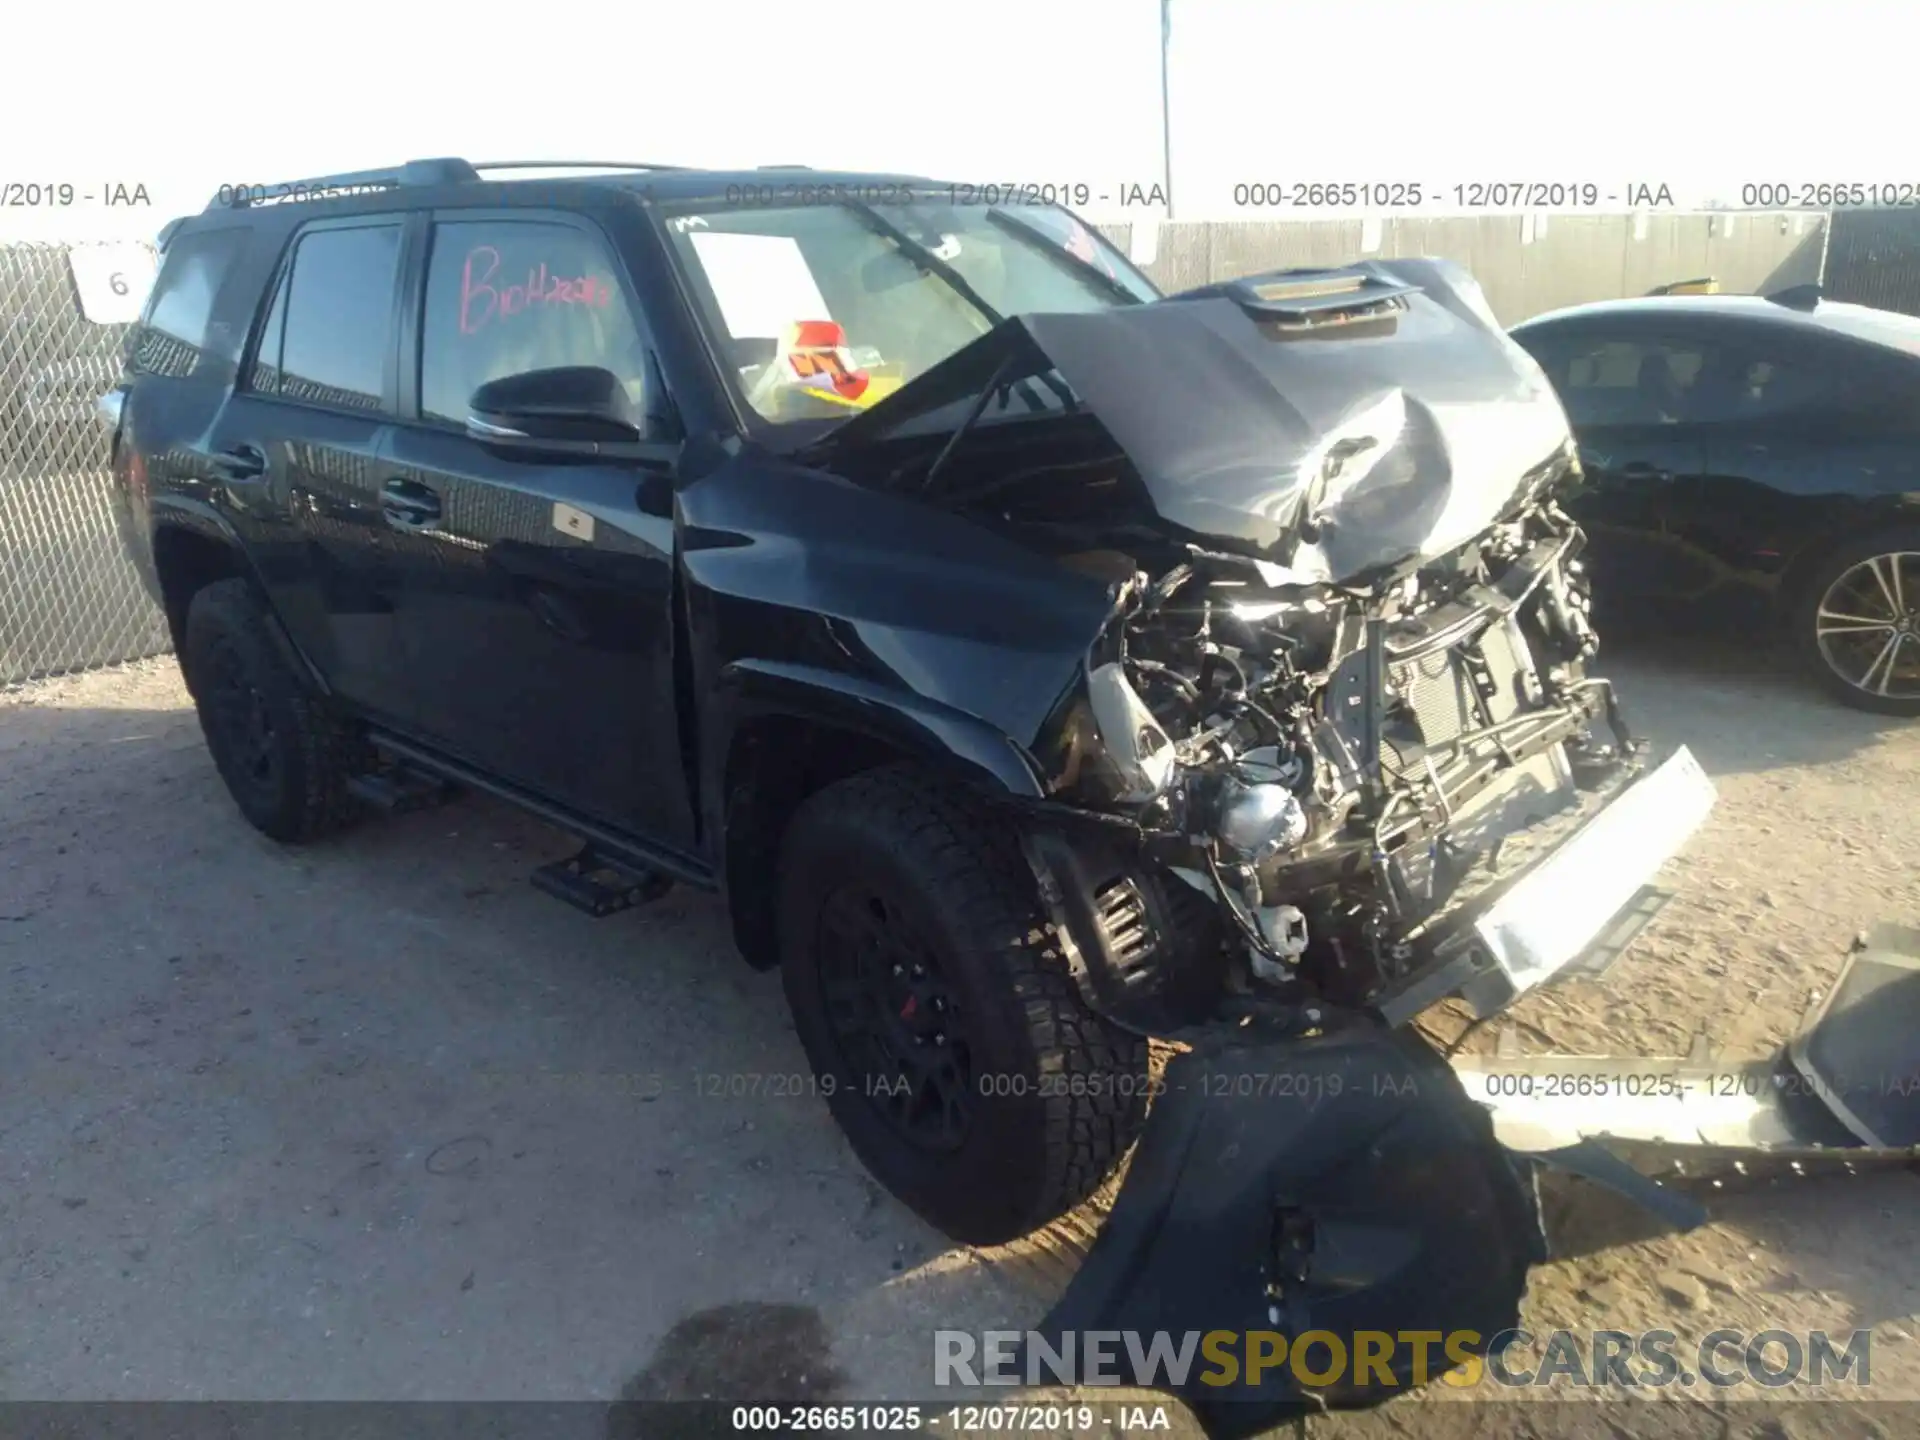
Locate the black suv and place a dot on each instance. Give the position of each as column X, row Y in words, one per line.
column 1035, row 663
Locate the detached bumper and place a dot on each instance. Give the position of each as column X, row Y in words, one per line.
column 1573, row 909
column 1845, row 1088
column 1353, row 1187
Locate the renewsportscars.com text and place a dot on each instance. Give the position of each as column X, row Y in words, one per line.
column 1576, row 1359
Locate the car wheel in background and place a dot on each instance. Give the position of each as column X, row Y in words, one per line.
column 1857, row 621
column 284, row 756
column 947, row 1035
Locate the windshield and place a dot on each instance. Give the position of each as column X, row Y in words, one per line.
column 821, row 310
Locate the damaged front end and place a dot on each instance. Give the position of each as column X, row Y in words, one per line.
column 1336, row 742
column 1367, row 790
column 1334, row 756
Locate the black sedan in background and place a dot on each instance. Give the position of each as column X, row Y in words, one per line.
column 1753, row 461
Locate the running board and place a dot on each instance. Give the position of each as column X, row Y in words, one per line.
column 598, row 886
column 399, row 789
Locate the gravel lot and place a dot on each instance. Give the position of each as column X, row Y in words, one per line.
column 377, row 1120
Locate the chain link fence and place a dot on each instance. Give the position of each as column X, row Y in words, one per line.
column 69, row 599
column 1873, row 258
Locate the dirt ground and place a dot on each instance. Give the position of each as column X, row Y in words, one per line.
column 375, row 1119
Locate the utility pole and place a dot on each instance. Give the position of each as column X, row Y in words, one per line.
column 1166, row 106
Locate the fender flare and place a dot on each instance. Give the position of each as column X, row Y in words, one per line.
column 744, row 842
column 177, row 512
column 918, row 728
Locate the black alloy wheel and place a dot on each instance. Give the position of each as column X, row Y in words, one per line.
column 894, row 1017
column 239, row 723
column 284, row 754
column 945, row 1029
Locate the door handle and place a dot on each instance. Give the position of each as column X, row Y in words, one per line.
column 242, row 462
column 409, row 505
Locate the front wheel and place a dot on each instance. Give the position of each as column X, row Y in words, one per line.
column 1857, row 622
column 952, row 1044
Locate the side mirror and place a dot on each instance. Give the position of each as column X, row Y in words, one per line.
column 566, row 406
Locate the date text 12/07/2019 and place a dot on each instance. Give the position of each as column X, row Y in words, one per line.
column 1124, row 195
column 1464, row 195
column 1106, row 1417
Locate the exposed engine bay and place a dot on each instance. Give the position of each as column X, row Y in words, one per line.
column 1318, row 774
column 1339, row 704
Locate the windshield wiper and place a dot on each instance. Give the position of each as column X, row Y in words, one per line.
column 932, row 264
column 925, row 258
column 1033, row 235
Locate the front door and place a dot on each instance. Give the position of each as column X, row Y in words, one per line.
column 536, row 613
column 1627, row 398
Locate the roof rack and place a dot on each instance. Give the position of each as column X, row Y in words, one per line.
column 572, row 165
column 449, row 170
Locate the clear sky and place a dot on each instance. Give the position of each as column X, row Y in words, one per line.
column 185, row 95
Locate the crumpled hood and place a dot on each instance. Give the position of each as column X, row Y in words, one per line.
column 1327, row 449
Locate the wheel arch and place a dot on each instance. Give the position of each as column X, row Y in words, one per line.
column 191, row 551
column 788, row 732
column 193, row 546
column 1856, row 523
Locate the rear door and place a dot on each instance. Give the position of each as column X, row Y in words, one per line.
column 296, row 451
column 537, row 617
column 1628, row 396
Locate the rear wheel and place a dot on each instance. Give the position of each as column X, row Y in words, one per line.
column 952, row 1044
column 282, row 753
column 1857, row 622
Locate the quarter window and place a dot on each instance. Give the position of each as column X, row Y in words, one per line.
column 173, row 337
column 1758, row 386
column 507, row 297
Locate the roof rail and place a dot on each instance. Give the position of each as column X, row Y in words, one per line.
column 572, row 165
column 1797, row 297
column 446, row 171
column 783, row 167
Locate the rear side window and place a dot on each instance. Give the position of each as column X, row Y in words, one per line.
column 330, row 328
column 1762, row 385
column 506, row 296
column 1618, row 381
column 171, row 341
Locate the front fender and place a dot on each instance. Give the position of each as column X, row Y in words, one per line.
column 777, row 731
column 912, row 725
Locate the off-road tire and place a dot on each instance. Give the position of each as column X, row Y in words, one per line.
column 1056, row 1094
column 292, row 787
column 1804, row 607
